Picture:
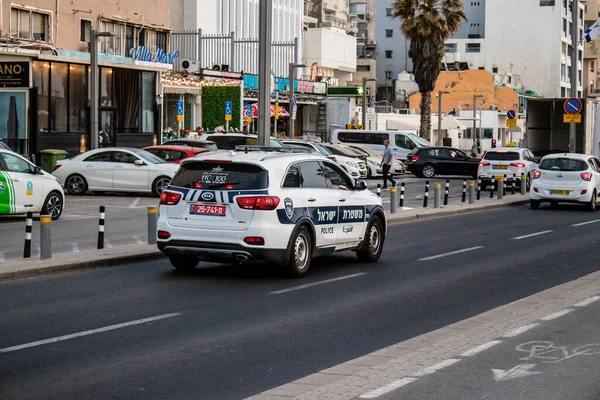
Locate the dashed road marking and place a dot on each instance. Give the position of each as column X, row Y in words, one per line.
column 587, row 301
column 107, row 244
column 437, row 367
column 137, row 239
column 87, row 333
column 587, row 222
column 517, row 331
column 309, row 285
column 135, row 202
column 387, row 388
column 532, row 235
column 75, row 247
column 451, row 253
column 557, row 314
column 479, row 349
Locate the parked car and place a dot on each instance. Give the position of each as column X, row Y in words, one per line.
column 402, row 141
column 341, row 150
column 26, row 187
column 244, row 207
column 566, row 178
column 174, row 154
column 229, row 141
column 509, row 161
column 116, row 169
column 354, row 167
column 201, row 144
column 427, row 162
column 374, row 160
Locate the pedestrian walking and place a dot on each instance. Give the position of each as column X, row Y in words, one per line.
column 476, row 149
column 386, row 164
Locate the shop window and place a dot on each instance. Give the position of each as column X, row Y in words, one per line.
column 59, row 107
column 41, row 80
column 106, row 87
column 127, row 99
column 112, row 45
column 77, row 98
column 134, row 37
column 156, row 40
column 188, row 113
column 148, row 100
column 85, row 31
column 488, row 133
column 29, row 25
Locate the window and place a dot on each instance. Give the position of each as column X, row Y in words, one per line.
column 388, row 74
column 350, row 137
column 404, row 142
column 335, row 178
column 375, row 138
column 147, row 111
column 77, row 98
column 106, row 87
column 450, row 47
column 592, row 66
column 104, row 156
column 502, row 156
column 41, row 80
column 469, row 133
column 547, row 3
column 361, row 27
column 233, row 176
column 388, row 12
column 388, row 54
column 59, row 107
column 155, row 40
column 363, row 68
column 358, row 8
column 389, row 33
column 488, row 133
column 122, row 157
column 16, row 164
column 494, row 70
column 562, row 92
column 293, row 179
column 313, row 175
column 473, row 47
column 29, row 25
column 563, row 164
column 85, row 31
column 111, row 45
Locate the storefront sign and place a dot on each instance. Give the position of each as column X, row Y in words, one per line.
column 345, row 91
column 14, row 74
column 310, row 87
column 142, row 53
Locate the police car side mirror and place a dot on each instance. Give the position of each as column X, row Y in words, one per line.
column 360, row 185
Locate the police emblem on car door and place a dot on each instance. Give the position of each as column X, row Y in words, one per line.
column 289, row 208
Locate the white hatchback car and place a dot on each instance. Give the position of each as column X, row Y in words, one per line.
column 506, row 161
column 25, row 187
column 566, row 177
column 269, row 206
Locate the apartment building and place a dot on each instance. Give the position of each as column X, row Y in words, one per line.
column 591, row 53
column 362, row 12
column 45, row 79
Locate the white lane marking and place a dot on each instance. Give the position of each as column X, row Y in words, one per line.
column 557, row 314
column 451, row 253
column 2, row 256
column 75, row 247
column 387, row 388
column 437, row 367
column 137, row 239
column 481, row 348
column 531, row 235
column 587, row 223
column 135, row 202
column 517, row 331
column 87, row 333
column 587, row 301
column 107, row 244
column 309, row 285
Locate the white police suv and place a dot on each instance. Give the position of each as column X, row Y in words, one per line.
column 269, row 205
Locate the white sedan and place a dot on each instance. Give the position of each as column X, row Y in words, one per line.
column 566, row 178
column 116, row 169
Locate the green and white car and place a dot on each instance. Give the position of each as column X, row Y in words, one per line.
column 25, row 187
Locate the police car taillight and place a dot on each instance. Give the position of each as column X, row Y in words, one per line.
column 264, row 203
column 169, row 198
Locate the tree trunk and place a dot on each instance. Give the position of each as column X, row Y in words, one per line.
column 425, row 129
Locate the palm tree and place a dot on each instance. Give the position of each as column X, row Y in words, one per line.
column 427, row 24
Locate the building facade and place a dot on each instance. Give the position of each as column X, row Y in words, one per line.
column 45, row 84
column 591, row 53
column 363, row 13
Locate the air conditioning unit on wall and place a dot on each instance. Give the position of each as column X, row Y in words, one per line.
column 190, row 66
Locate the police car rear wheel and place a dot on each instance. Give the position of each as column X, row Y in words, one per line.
column 76, row 185
column 184, row 263
column 372, row 246
column 301, row 254
column 53, row 205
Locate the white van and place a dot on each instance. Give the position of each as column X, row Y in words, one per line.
column 402, row 141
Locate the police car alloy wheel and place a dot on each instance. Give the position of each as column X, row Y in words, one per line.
column 53, row 205
column 373, row 244
column 76, row 185
column 301, row 253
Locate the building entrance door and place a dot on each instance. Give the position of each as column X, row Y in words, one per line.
column 13, row 120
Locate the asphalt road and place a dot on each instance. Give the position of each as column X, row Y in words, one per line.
column 556, row 360
column 126, row 219
column 230, row 332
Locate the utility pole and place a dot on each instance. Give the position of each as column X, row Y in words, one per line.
column 292, row 97
column 264, row 73
column 574, row 70
column 365, row 104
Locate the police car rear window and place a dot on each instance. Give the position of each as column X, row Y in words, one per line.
column 221, row 176
column 501, row 156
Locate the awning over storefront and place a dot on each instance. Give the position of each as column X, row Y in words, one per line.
column 182, row 90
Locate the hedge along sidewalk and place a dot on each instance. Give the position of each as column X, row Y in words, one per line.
column 31, row 267
column 455, row 209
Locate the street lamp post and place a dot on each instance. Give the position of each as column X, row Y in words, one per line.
column 94, row 84
column 264, row 68
column 292, row 77
column 475, row 133
column 440, row 93
column 574, row 69
column 364, row 100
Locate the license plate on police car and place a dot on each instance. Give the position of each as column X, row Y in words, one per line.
column 200, row 209
column 561, row 192
column 500, row 166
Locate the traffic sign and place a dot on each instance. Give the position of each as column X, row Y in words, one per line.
column 276, row 110
column 294, row 111
column 294, row 101
column 228, row 108
column 511, row 123
column 511, row 114
column 370, row 101
column 572, row 118
column 180, row 107
column 573, row 106
column 180, row 118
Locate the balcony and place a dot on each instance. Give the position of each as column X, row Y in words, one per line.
column 591, row 51
column 593, row 93
column 332, row 20
column 330, row 49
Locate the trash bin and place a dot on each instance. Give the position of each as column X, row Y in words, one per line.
column 49, row 157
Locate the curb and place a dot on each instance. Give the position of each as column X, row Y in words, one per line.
column 36, row 271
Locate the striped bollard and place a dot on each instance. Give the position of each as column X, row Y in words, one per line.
column 479, row 188
column 492, row 189
column 464, row 194
column 513, row 188
column 504, row 186
column 101, row 228
column 379, row 189
column 523, row 184
column 28, row 229
column 402, row 195
column 426, row 198
column 446, row 192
